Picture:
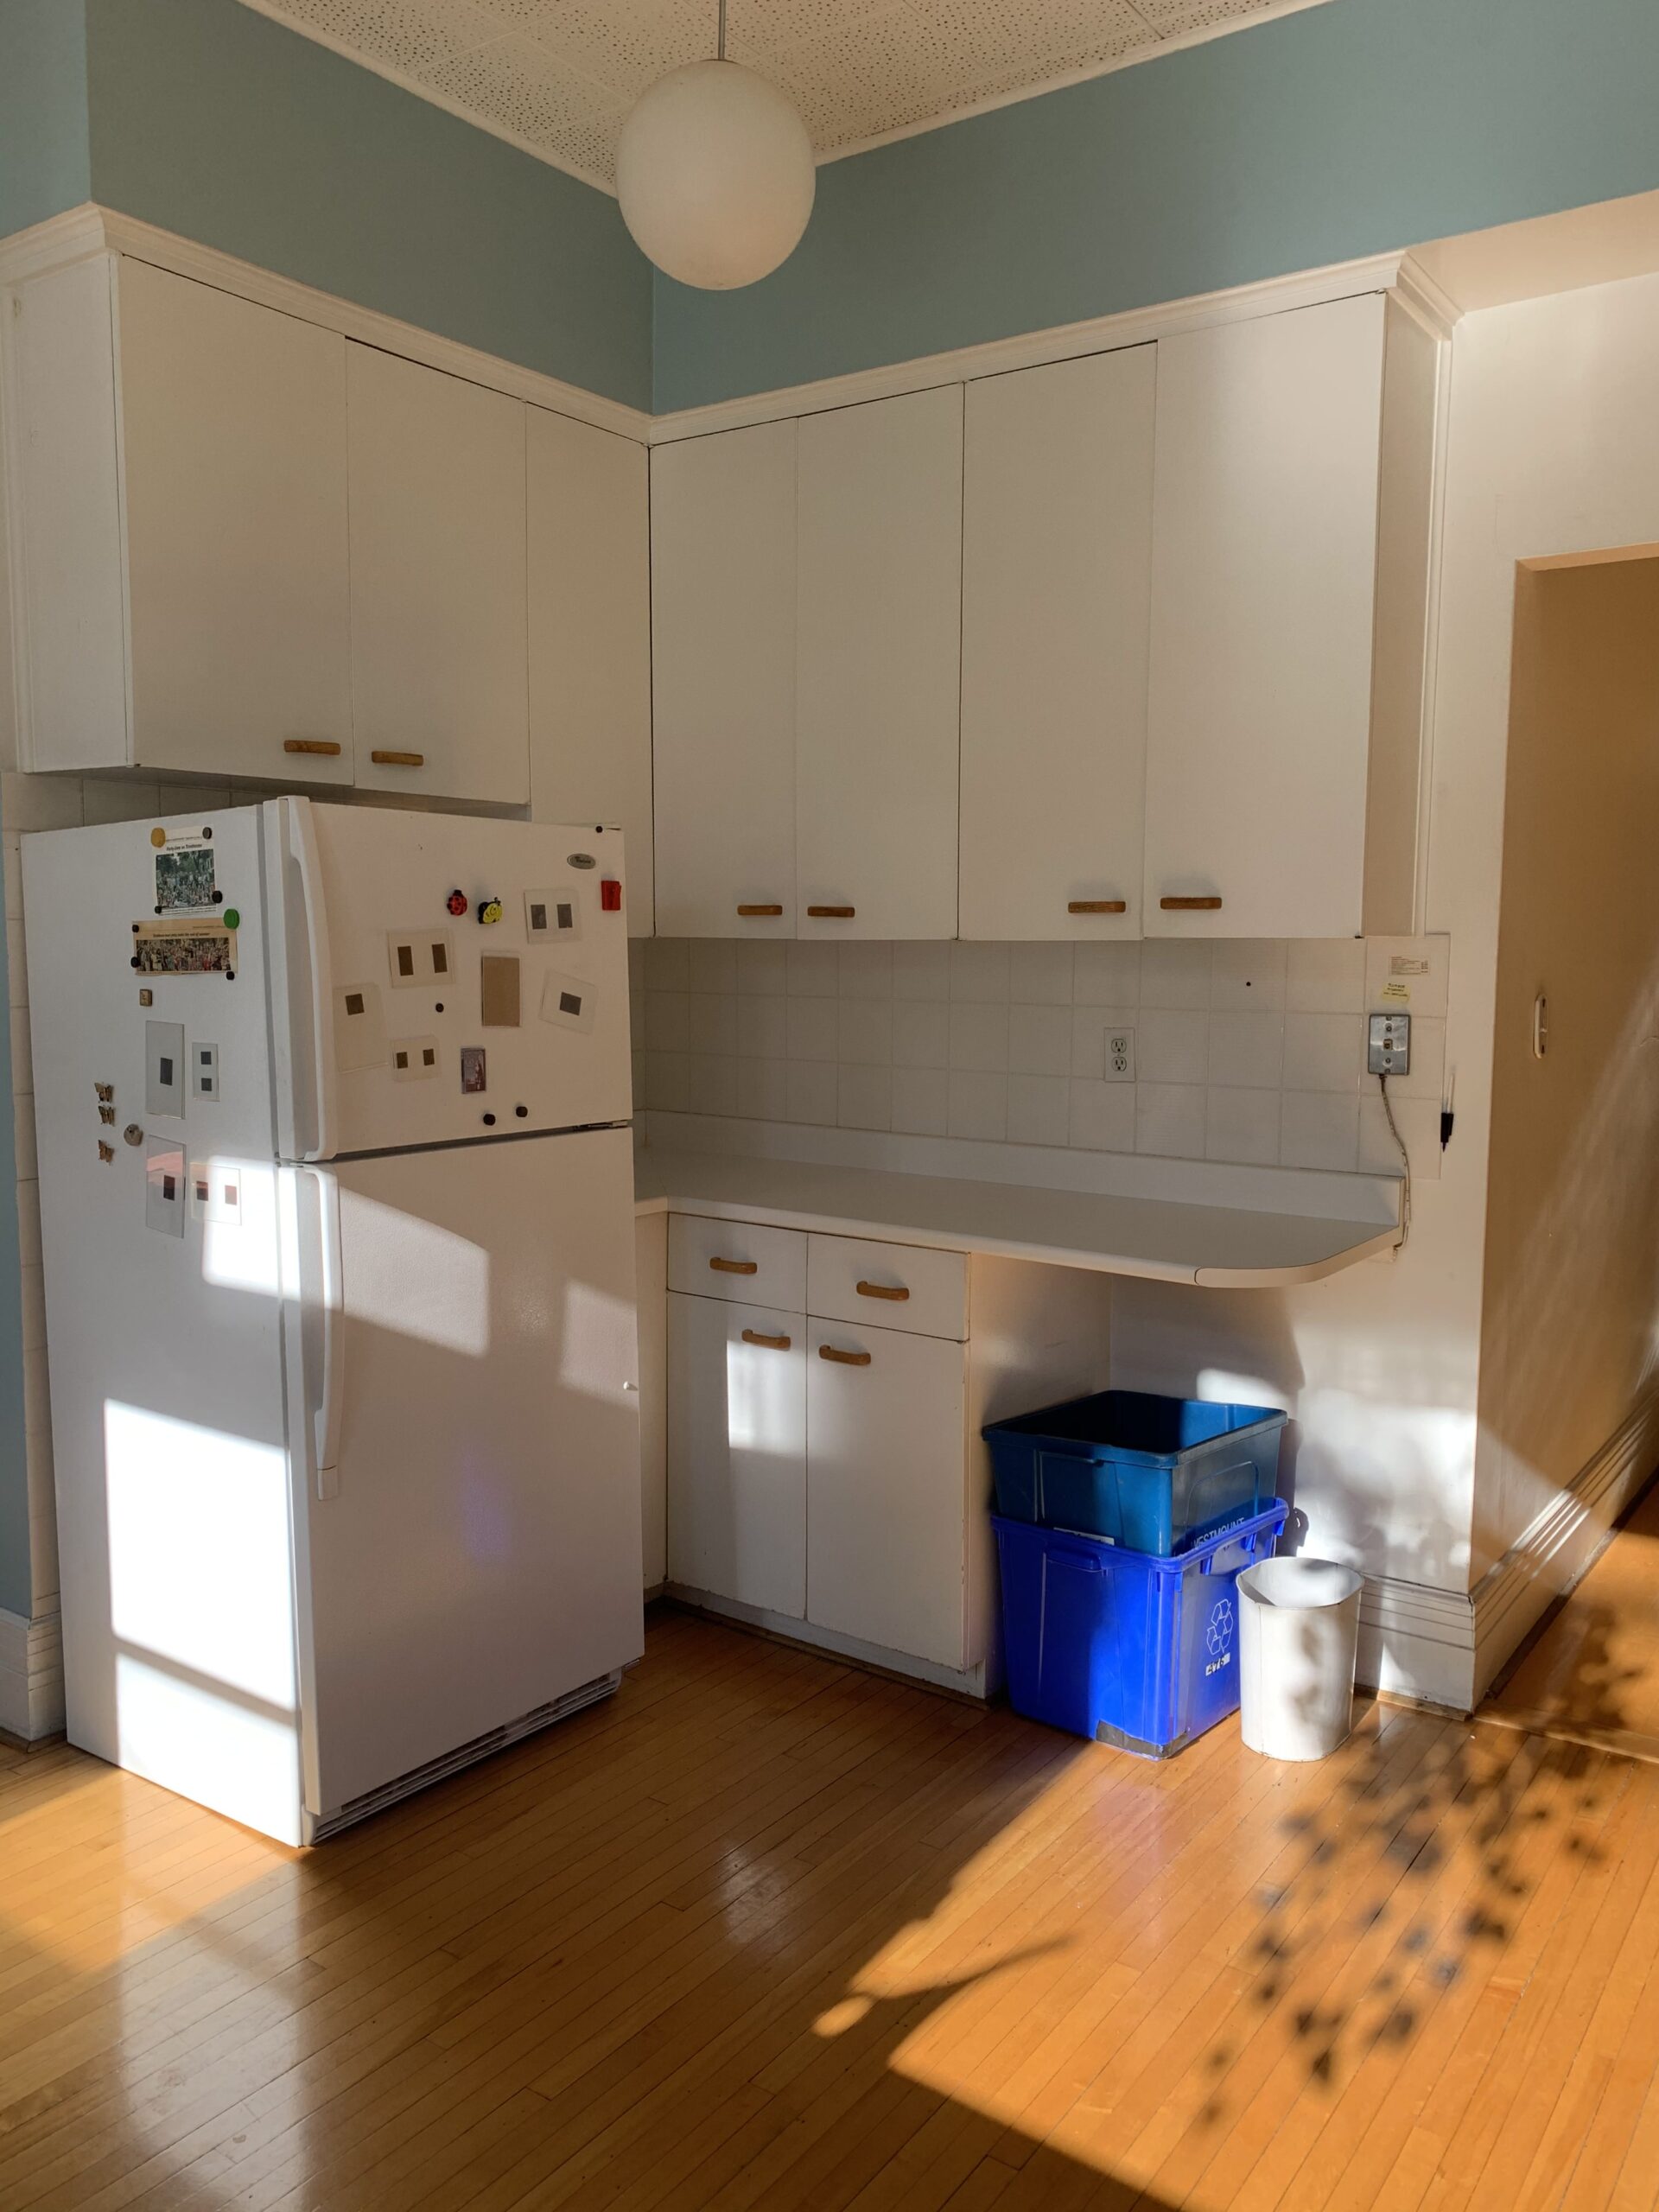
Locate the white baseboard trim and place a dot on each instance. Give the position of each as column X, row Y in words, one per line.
column 970, row 1681
column 1562, row 1543
column 1416, row 1641
column 31, row 1676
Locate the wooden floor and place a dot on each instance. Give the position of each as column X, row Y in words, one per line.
column 1592, row 1674
column 767, row 1932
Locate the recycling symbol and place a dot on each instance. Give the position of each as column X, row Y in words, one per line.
column 1219, row 1634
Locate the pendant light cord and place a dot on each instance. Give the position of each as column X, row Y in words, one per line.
column 720, row 55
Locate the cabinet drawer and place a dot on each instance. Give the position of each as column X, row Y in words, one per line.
column 737, row 1260
column 887, row 1286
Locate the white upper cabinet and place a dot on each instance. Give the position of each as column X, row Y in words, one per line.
column 1057, row 539
column 1283, row 547
column 438, row 596
column 233, row 427
column 185, row 451
column 879, row 595
column 722, row 524
column 589, row 583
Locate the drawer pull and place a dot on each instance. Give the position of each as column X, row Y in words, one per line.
column 1190, row 905
column 1096, row 906
column 832, row 913
column 325, row 745
column 751, row 914
column 883, row 1290
column 735, row 1267
column 398, row 760
column 844, row 1358
column 767, row 1344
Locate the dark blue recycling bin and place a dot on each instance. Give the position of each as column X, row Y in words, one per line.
column 1148, row 1471
column 1126, row 1647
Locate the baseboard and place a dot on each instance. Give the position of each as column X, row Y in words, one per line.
column 1417, row 1642
column 969, row 1681
column 1562, row 1543
column 31, row 1677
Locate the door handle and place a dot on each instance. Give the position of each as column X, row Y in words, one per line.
column 883, row 1290
column 398, row 760
column 766, row 1344
column 832, row 913
column 749, row 913
column 332, row 1396
column 1096, row 906
column 1190, row 905
column 735, row 1267
column 843, row 1358
column 323, row 745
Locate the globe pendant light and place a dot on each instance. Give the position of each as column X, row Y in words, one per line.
column 714, row 174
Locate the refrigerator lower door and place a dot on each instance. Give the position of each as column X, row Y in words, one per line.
column 474, row 1556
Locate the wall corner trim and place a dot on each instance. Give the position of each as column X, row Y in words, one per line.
column 91, row 229
column 31, row 1676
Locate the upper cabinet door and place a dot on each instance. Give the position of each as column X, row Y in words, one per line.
column 1264, row 576
column 878, row 677
column 589, row 539
column 1057, row 549
column 722, row 538
column 233, row 431
column 439, row 623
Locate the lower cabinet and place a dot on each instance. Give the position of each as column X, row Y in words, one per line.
column 737, row 1453
column 827, row 1470
column 885, row 1529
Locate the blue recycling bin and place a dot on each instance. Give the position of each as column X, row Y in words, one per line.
column 1125, row 1647
column 1147, row 1472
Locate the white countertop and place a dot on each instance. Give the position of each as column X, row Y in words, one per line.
column 1255, row 1245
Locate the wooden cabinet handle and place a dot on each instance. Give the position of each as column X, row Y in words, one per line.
column 751, row 914
column 1190, row 905
column 1096, row 906
column 844, row 1358
column 325, row 745
column 767, row 1344
column 735, row 1267
column 832, row 913
column 398, row 760
column 883, row 1290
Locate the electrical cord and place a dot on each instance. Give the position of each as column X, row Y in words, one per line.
column 1405, row 1161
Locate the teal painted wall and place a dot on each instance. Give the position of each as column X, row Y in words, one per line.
column 45, row 165
column 1344, row 130
column 211, row 120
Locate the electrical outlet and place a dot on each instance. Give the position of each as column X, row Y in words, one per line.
column 1120, row 1056
column 1388, row 1050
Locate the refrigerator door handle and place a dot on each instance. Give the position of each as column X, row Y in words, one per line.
column 304, row 848
column 332, row 1396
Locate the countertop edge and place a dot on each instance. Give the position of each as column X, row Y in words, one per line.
column 889, row 1231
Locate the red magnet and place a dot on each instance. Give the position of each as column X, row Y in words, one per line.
column 456, row 902
column 610, row 895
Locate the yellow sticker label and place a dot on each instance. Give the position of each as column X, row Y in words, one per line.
column 1394, row 991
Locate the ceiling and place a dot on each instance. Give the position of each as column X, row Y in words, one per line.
column 557, row 76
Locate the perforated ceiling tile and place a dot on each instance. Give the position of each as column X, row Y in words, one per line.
column 558, row 75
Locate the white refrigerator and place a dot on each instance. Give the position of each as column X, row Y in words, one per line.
column 336, row 1195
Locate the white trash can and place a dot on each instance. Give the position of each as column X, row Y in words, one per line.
column 1298, row 1636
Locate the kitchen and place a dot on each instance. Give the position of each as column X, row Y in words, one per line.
column 1041, row 749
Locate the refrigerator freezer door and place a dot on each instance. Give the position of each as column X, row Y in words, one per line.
column 478, row 1555
column 161, row 1223
column 441, row 978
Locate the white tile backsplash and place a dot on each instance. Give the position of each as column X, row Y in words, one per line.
column 1249, row 1051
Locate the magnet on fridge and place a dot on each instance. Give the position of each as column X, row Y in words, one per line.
column 471, row 1068
column 489, row 911
column 610, row 895
column 455, row 904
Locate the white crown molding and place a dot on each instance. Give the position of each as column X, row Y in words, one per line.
column 1395, row 273
column 91, row 229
